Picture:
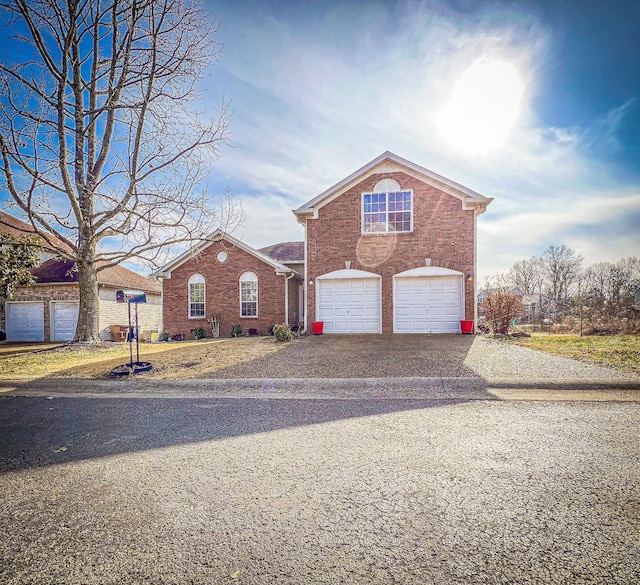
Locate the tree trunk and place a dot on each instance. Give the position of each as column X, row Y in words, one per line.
column 88, row 328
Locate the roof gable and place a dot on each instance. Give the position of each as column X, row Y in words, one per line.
column 218, row 235
column 388, row 162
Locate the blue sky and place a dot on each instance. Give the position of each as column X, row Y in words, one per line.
column 320, row 89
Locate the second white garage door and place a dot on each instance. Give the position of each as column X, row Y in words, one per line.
column 428, row 300
column 64, row 318
column 348, row 301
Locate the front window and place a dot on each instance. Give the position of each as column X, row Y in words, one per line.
column 387, row 212
column 196, row 296
column 248, row 295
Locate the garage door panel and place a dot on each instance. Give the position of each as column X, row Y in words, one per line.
column 25, row 321
column 354, row 309
column 427, row 304
column 64, row 320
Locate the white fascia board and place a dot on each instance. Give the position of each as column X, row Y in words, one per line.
column 348, row 273
column 427, row 271
column 380, row 165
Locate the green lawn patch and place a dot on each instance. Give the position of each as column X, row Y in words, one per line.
column 621, row 352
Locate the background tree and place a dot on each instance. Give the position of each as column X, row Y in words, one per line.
column 562, row 267
column 17, row 257
column 527, row 275
column 101, row 143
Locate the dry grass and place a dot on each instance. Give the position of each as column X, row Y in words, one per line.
column 621, row 352
column 171, row 361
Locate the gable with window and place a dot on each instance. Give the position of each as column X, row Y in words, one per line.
column 388, row 209
column 248, row 295
column 196, row 296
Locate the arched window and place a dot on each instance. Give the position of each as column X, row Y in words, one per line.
column 388, row 209
column 196, row 296
column 248, row 295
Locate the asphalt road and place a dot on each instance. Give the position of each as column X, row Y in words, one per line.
column 256, row 490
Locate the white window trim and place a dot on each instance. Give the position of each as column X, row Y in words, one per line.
column 366, row 233
column 248, row 276
column 196, row 279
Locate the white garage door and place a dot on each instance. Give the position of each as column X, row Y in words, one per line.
column 25, row 321
column 428, row 304
column 349, row 305
column 64, row 317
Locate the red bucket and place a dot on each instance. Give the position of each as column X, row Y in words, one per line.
column 317, row 327
column 466, row 326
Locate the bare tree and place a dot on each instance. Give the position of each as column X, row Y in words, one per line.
column 527, row 275
column 562, row 266
column 104, row 137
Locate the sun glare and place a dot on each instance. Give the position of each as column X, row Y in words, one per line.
column 483, row 107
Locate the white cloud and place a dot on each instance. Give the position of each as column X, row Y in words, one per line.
column 315, row 102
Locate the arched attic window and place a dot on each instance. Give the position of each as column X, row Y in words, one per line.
column 196, row 296
column 248, row 294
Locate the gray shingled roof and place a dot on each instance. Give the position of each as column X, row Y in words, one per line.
column 285, row 252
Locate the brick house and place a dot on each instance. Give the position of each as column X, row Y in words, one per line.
column 389, row 249
column 225, row 278
column 48, row 310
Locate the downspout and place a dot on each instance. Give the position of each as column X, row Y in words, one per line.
column 286, row 297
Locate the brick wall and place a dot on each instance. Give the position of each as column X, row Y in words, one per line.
column 222, row 290
column 442, row 231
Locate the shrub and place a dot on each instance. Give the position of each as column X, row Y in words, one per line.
column 199, row 333
column 282, row 332
column 236, row 330
column 164, row 336
column 501, row 309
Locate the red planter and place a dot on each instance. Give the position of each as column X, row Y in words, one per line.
column 317, row 327
column 466, row 326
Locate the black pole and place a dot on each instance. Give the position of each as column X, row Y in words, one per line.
column 129, row 336
column 137, row 337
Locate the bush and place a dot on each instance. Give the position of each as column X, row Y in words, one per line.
column 236, row 330
column 282, row 332
column 501, row 309
column 199, row 333
column 164, row 336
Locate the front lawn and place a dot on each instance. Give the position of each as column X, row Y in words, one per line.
column 621, row 352
column 173, row 360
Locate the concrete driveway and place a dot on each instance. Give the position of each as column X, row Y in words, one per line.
column 417, row 356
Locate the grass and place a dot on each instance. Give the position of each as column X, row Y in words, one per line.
column 621, row 352
column 188, row 359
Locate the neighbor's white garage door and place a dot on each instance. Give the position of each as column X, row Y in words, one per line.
column 349, row 305
column 25, row 321
column 64, row 317
column 428, row 304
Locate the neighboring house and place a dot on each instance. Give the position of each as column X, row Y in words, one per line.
column 225, row 278
column 48, row 310
column 389, row 249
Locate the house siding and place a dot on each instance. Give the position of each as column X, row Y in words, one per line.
column 222, row 292
column 442, row 231
column 114, row 313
